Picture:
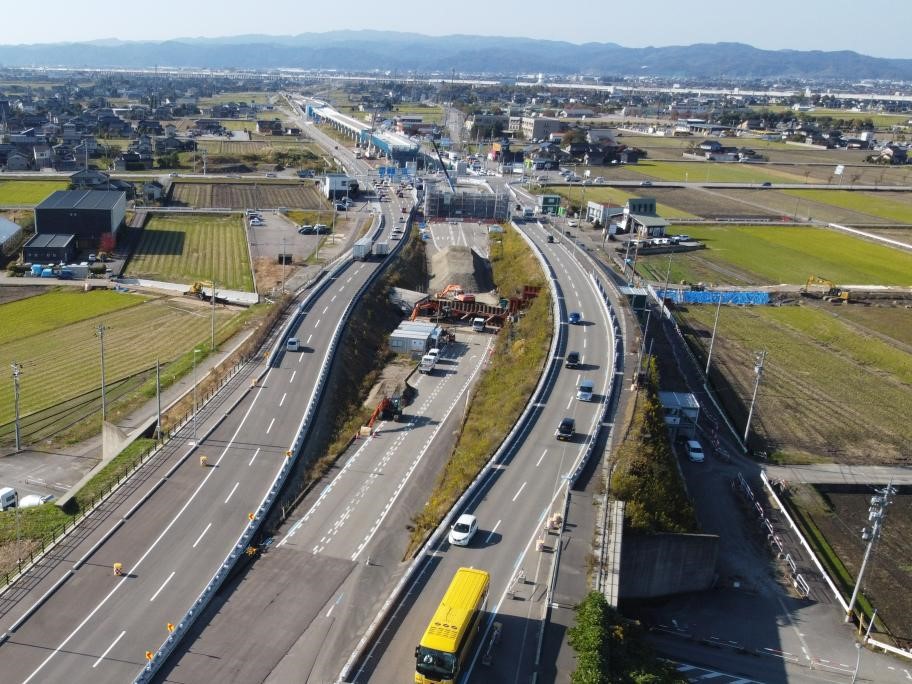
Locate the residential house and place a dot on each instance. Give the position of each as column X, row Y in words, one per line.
column 152, row 191
column 640, row 218
column 16, row 161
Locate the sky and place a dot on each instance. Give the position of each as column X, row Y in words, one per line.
column 876, row 27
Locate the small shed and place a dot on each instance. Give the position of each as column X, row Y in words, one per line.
column 9, row 233
column 682, row 411
column 414, row 337
column 50, row 248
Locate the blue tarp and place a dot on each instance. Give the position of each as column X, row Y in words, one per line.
column 712, row 297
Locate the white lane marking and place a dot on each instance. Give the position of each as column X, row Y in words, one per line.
column 231, row 493
column 333, row 299
column 491, row 534
column 253, row 458
column 569, row 403
column 282, row 400
column 271, row 422
column 308, row 340
column 541, row 458
column 516, row 496
column 151, row 548
column 202, row 534
column 108, row 649
column 325, row 309
column 293, row 374
column 708, row 675
column 164, row 584
column 317, row 324
column 329, row 612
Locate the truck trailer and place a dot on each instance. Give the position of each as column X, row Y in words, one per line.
column 362, row 249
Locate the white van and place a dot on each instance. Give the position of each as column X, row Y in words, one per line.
column 292, row 344
column 478, row 324
column 584, row 391
column 8, row 498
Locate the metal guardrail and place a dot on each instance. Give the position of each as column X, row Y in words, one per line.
column 505, row 446
column 199, row 605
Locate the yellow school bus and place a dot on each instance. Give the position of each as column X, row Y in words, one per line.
column 448, row 639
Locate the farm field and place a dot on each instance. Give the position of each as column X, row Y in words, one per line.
column 185, row 249
column 615, row 196
column 28, row 192
column 830, row 389
column 890, row 206
column 257, row 97
column 839, row 513
column 243, row 194
column 773, row 255
column 717, row 172
column 64, row 364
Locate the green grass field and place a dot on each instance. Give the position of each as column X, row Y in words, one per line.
column 184, row 249
column 53, row 337
column 28, row 192
column 715, row 172
column 770, row 255
column 894, row 207
column 827, row 383
column 613, row 195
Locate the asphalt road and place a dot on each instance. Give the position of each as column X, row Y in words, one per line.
column 523, row 490
column 97, row 627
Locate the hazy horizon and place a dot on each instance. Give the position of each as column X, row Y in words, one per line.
column 777, row 25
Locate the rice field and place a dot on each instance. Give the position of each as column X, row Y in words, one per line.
column 53, row 337
column 244, row 194
column 185, row 249
column 895, row 206
column 772, row 255
column 28, row 192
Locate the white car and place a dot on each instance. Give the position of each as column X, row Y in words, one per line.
column 463, row 530
column 572, row 223
column 695, row 451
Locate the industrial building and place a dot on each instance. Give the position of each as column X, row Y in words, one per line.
column 47, row 248
column 86, row 214
column 338, row 185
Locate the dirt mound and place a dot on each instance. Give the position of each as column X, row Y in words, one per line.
column 461, row 266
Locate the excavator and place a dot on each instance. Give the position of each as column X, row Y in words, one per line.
column 389, row 408
column 833, row 292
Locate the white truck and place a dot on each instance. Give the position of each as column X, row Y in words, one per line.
column 381, row 248
column 428, row 361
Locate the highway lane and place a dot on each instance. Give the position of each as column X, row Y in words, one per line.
column 98, row 627
column 522, row 493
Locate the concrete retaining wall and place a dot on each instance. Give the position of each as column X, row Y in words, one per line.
column 665, row 564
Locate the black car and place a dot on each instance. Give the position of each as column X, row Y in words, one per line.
column 566, row 429
column 766, row 184
column 573, row 360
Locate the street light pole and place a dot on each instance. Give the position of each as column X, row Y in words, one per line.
column 758, row 371
column 17, row 370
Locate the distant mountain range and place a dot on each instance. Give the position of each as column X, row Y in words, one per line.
column 410, row 52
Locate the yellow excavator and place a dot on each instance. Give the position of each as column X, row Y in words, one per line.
column 832, row 292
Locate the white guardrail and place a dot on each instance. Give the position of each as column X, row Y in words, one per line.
column 506, row 445
column 183, row 626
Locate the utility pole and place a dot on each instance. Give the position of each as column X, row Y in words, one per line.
column 195, row 352
column 17, row 370
column 712, row 339
column 100, row 333
column 758, row 371
column 158, row 398
column 876, row 513
column 665, row 287
column 284, row 259
column 212, row 325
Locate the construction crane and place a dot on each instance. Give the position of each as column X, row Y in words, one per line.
column 443, row 166
column 832, row 292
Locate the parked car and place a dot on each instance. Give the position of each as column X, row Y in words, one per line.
column 695, row 451
column 321, row 229
column 306, row 230
column 463, row 530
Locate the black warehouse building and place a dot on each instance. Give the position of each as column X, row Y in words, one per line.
column 86, row 214
column 50, row 249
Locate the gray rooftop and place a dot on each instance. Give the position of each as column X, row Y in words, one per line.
column 81, row 199
column 50, row 240
column 678, row 400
